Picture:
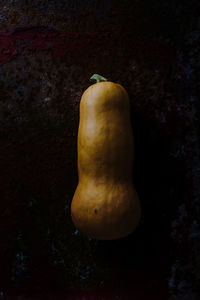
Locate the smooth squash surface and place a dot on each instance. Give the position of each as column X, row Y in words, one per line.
column 105, row 204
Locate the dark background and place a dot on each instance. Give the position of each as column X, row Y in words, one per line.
column 48, row 52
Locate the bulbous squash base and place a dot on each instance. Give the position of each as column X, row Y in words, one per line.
column 106, row 212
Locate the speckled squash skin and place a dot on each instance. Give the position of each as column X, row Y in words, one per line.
column 105, row 205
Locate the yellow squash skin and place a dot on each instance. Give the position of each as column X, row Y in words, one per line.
column 105, row 205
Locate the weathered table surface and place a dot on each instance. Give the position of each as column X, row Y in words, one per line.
column 48, row 51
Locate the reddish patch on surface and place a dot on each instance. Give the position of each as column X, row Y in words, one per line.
column 7, row 48
column 78, row 44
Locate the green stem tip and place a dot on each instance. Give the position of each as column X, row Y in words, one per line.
column 98, row 78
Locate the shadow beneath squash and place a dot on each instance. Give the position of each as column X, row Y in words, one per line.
column 159, row 180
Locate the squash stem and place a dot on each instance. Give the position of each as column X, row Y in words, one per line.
column 98, row 78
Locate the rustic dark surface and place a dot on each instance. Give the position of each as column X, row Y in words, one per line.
column 48, row 51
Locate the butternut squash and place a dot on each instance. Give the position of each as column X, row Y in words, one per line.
column 105, row 205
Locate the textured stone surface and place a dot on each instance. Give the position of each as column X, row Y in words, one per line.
column 48, row 51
